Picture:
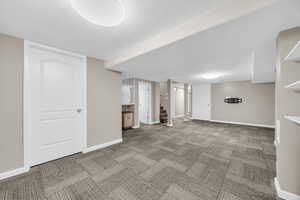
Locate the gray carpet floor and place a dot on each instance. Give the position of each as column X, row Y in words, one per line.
column 192, row 160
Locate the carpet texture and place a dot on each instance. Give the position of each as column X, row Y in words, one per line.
column 190, row 161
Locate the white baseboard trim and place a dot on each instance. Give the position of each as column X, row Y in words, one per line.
column 170, row 125
column 197, row 119
column 22, row 170
column 101, row 146
column 135, row 127
column 14, row 172
column 245, row 124
column 178, row 116
column 156, row 122
column 276, row 144
column 284, row 194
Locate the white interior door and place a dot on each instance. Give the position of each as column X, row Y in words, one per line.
column 144, row 102
column 57, row 104
column 201, row 101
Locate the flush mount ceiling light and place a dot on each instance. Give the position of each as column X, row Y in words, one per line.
column 100, row 12
column 213, row 75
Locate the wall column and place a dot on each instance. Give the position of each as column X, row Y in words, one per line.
column 191, row 102
column 186, row 102
column 170, row 91
column 136, row 104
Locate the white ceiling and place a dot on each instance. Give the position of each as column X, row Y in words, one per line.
column 243, row 49
column 223, row 13
column 55, row 23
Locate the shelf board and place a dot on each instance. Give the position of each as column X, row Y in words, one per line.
column 294, row 54
column 130, row 104
column 295, row 119
column 294, row 86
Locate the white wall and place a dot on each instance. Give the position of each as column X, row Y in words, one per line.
column 145, row 101
column 179, row 102
column 127, row 91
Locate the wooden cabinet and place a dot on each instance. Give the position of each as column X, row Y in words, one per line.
column 127, row 120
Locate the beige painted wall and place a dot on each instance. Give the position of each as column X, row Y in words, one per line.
column 288, row 103
column 104, row 103
column 11, row 103
column 258, row 105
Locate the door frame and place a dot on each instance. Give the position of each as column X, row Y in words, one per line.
column 26, row 98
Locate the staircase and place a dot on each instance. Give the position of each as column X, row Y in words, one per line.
column 163, row 115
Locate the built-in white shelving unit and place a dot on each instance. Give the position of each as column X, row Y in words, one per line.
column 295, row 119
column 294, row 86
column 294, row 54
column 128, row 104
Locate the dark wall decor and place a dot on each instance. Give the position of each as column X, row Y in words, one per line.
column 231, row 100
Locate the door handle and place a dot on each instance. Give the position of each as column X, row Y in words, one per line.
column 79, row 110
